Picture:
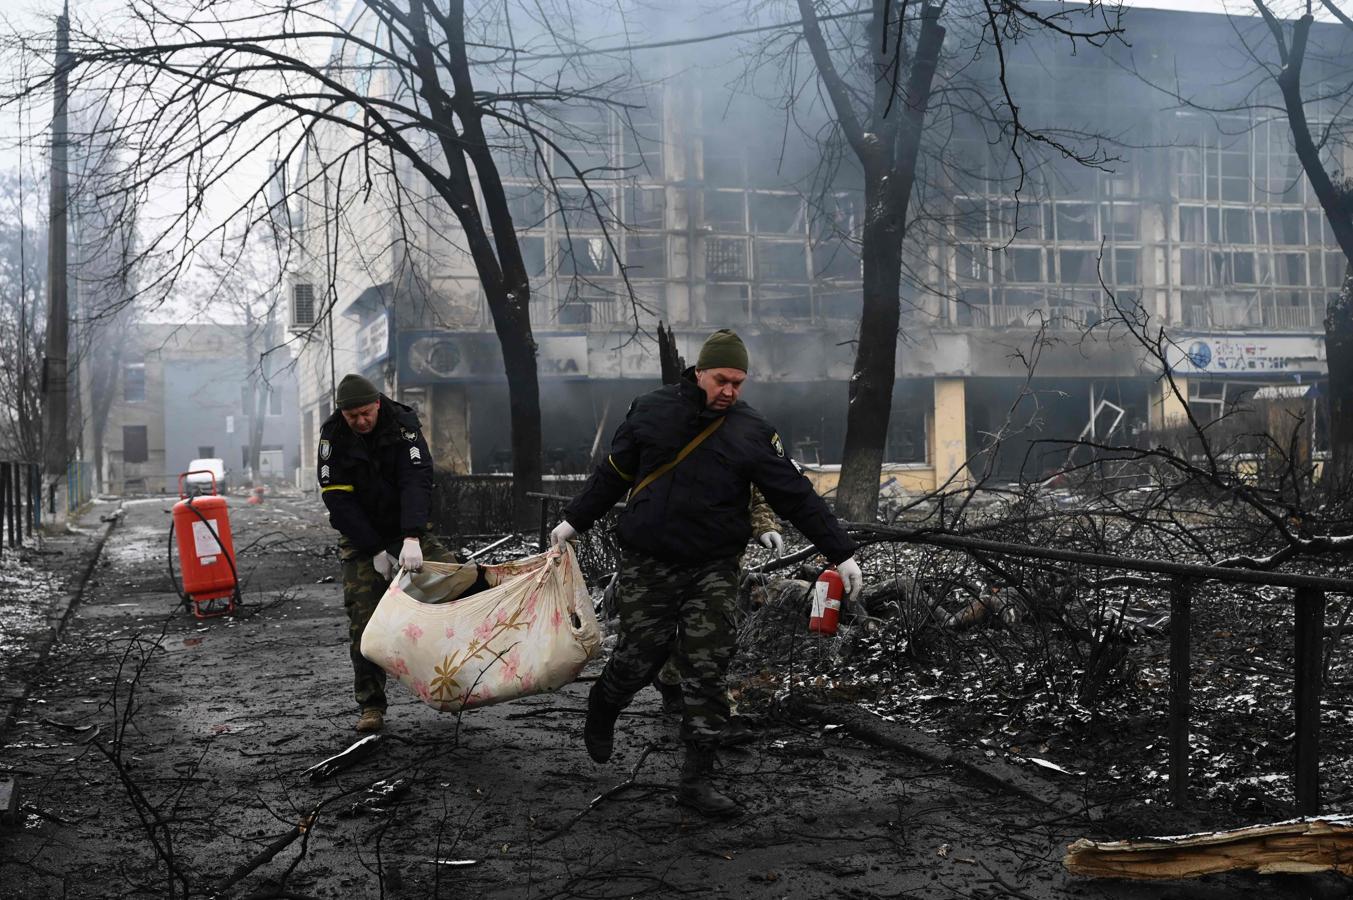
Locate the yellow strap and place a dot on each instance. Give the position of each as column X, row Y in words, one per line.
column 336, row 487
column 618, row 471
column 685, row 451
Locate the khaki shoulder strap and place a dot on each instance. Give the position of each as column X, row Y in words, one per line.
column 685, row 451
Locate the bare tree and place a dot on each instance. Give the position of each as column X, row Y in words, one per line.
column 1334, row 190
column 22, row 336
column 880, row 81
column 202, row 91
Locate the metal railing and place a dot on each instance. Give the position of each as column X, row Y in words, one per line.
column 20, row 501
column 1308, row 596
column 79, row 485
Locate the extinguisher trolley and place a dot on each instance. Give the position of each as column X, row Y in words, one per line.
column 206, row 551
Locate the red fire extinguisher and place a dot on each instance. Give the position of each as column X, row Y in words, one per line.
column 206, row 552
column 827, row 593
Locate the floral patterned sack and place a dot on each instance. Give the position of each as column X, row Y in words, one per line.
column 530, row 632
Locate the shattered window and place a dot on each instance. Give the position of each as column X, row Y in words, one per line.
column 724, row 211
column 778, row 213
column 835, row 259
column 644, row 207
column 781, row 261
column 646, row 255
column 584, row 256
column 1125, row 267
column 1076, row 222
column 726, row 259
column 1236, row 226
column 526, row 204
column 1078, row 267
column 970, row 262
column 1289, row 269
column 1022, row 264
column 1191, row 224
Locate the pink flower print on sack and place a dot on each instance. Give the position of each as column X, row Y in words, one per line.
column 420, row 687
column 528, row 682
column 556, row 620
column 450, row 632
column 413, row 631
column 399, row 668
column 511, row 663
column 483, row 631
column 531, row 603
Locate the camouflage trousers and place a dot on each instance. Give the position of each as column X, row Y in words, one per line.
column 688, row 612
column 363, row 588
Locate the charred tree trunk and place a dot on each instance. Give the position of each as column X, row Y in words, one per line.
column 497, row 258
column 888, row 147
column 671, row 362
column 1336, row 201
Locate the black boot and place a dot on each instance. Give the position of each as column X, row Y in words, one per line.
column 673, row 702
column 736, row 733
column 599, row 729
column 695, row 791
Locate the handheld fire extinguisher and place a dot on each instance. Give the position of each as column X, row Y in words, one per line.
column 827, row 593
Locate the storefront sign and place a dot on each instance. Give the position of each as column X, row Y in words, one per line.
column 373, row 341
column 428, row 357
column 1246, row 354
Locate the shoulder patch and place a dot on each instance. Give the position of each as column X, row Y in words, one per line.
column 408, row 434
column 776, row 444
column 325, row 449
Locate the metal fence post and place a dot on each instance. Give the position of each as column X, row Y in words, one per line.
column 12, row 492
column 1181, row 615
column 1310, row 628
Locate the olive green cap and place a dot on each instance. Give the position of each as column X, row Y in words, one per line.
column 723, row 350
column 354, row 390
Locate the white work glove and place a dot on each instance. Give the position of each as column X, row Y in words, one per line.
column 771, row 540
column 411, row 555
column 384, row 563
column 562, row 532
column 849, row 570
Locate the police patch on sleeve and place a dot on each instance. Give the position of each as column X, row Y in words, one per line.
column 409, row 435
column 414, row 455
column 323, row 472
column 776, row 444
column 325, row 450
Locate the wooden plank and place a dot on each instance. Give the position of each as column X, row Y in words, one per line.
column 1299, row 846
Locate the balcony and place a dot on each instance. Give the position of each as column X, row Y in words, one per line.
column 1290, row 311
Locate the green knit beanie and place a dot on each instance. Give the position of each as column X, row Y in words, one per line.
column 354, row 391
column 723, row 350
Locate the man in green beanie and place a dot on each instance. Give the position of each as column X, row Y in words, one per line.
column 687, row 456
column 375, row 475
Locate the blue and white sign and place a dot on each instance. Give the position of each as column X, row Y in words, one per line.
column 1246, row 354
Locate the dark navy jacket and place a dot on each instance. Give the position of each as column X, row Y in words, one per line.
column 699, row 511
column 377, row 487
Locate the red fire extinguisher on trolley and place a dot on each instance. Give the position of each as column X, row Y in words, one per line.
column 827, row 593
column 206, row 552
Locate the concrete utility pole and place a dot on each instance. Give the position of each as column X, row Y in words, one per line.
column 54, row 380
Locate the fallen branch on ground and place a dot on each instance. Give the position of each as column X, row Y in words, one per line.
column 602, row 797
column 1299, row 846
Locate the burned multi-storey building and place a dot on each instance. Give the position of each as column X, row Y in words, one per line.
column 722, row 209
